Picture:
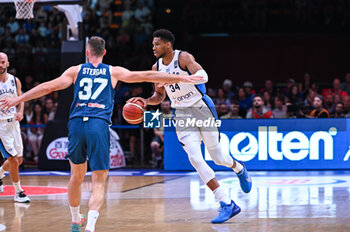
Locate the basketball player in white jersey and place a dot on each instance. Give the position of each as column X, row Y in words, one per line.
column 190, row 101
column 11, row 146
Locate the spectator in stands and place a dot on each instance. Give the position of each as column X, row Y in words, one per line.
column 211, row 93
column 319, row 111
column 223, row 109
column 13, row 25
column 227, row 87
column 330, row 104
column 245, row 102
column 249, row 88
column 158, row 140
column 221, row 98
column 142, row 13
column 345, row 86
column 258, row 110
column 233, row 112
column 290, row 84
column 339, row 110
column 294, row 95
column 127, row 14
column 36, row 134
column 280, row 110
column 269, row 88
column 22, row 37
column 305, row 85
column 335, row 90
column 49, row 109
column 267, row 100
column 308, row 102
column 346, row 101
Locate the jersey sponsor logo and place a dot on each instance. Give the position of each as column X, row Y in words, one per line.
column 177, row 100
column 81, row 104
column 96, row 105
column 94, row 71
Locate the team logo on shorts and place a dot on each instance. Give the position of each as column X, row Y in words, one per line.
column 151, row 119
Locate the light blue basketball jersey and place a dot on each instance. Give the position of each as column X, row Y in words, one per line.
column 93, row 93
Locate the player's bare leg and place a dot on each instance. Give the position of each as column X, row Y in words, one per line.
column 97, row 197
column 78, row 172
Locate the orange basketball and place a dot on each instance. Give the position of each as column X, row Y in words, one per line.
column 133, row 112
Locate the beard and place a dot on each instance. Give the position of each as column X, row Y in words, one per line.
column 2, row 71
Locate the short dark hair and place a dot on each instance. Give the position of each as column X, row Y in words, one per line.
column 258, row 95
column 165, row 35
column 320, row 97
column 97, row 45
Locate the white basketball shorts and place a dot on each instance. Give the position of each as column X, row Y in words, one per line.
column 196, row 123
column 10, row 138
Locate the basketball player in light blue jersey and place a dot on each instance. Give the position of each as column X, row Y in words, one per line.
column 90, row 116
column 190, row 101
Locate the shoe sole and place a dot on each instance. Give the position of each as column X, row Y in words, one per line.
column 232, row 215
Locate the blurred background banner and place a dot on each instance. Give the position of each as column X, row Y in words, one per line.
column 279, row 144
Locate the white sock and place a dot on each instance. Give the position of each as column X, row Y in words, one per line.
column 221, row 195
column 75, row 211
column 2, row 171
column 17, row 186
column 91, row 221
column 238, row 167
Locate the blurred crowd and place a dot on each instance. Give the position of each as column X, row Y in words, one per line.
column 267, row 16
column 287, row 100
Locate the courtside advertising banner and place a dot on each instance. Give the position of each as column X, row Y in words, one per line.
column 273, row 144
column 58, row 149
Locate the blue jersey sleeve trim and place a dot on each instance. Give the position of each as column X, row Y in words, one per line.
column 15, row 81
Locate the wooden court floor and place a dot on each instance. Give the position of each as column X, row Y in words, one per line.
column 278, row 202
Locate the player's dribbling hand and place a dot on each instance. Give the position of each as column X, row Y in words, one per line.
column 135, row 99
column 6, row 104
column 19, row 116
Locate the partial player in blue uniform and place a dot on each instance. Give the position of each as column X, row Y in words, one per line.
column 191, row 102
column 90, row 115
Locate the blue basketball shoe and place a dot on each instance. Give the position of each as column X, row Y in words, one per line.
column 244, row 179
column 76, row 227
column 226, row 212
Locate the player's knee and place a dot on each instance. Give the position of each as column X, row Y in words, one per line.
column 154, row 145
column 20, row 160
column 218, row 160
column 13, row 161
column 196, row 161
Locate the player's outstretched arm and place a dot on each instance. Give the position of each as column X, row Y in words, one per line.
column 157, row 97
column 122, row 74
column 62, row 82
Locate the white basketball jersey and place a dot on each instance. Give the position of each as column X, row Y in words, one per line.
column 8, row 89
column 181, row 94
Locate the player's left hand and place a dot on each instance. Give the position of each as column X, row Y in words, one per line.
column 19, row 116
column 6, row 104
column 192, row 79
